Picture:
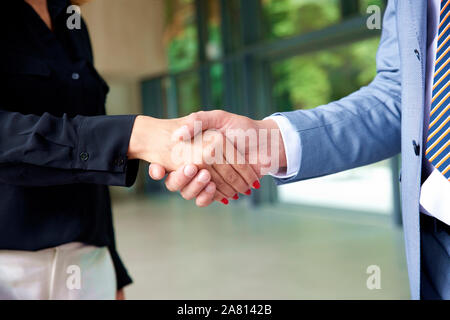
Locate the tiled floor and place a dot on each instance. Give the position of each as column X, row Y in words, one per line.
column 174, row 250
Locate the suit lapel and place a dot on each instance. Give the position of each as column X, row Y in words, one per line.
column 412, row 28
column 414, row 13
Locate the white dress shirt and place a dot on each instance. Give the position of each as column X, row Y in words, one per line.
column 435, row 191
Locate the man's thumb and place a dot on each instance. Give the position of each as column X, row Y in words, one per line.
column 193, row 124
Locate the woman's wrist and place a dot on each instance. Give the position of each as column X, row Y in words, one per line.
column 135, row 147
column 141, row 135
column 151, row 139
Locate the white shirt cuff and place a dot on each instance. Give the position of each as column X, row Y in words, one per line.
column 292, row 146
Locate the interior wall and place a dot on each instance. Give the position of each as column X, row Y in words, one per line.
column 127, row 36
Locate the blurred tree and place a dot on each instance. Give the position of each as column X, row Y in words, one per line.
column 304, row 81
column 307, row 81
column 181, row 34
column 284, row 18
column 310, row 80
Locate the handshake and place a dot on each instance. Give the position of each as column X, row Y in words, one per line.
column 209, row 155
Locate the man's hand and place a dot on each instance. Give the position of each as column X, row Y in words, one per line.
column 259, row 141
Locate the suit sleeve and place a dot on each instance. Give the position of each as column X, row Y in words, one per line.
column 47, row 150
column 359, row 129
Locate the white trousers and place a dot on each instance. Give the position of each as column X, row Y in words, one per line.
column 69, row 271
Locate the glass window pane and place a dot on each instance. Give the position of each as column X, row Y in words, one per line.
column 181, row 34
column 364, row 4
column 367, row 188
column 231, row 24
column 217, row 86
column 188, row 93
column 285, row 18
column 214, row 45
column 309, row 80
column 306, row 81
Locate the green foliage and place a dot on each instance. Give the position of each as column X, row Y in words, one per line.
column 363, row 4
column 290, row 17
column 182, row 51
column 315, row 79
column 304, row 81
column 310, row 80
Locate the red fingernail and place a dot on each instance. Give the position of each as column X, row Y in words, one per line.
column 235, row 197
column 256, row 184
column 224, row 201
column 248, row 192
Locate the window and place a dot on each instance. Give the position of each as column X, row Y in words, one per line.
column 284, row 18
column 255, row 57
column 181, row 34
column 310, row 80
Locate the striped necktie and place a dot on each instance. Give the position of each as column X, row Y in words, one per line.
column 438, row 142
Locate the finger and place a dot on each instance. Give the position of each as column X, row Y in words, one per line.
column 199, row 121
column 193, row 188
column 241, row 165
column 221, row 185
column 231, row 177
column 236, row 172
column 156, row 171
column 206, row 196
column 247, row 172
column 176, row 180
column 220, row 197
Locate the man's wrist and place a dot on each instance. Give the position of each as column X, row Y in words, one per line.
column 269, row 125
column 292, row 146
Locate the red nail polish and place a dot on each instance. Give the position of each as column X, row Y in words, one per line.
column 224, row 201
column 248, row 192
column 256, row 184
column 235, row 197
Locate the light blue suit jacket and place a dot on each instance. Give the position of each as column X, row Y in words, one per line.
column 378, row 121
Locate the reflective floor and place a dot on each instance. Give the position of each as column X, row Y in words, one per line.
column 174, row 250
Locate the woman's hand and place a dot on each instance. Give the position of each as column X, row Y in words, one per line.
column 190, row 181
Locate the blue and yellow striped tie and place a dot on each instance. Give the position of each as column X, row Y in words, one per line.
column 438, row 143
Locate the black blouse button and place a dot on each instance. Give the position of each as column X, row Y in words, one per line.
column 84, row 156
column 75, row 76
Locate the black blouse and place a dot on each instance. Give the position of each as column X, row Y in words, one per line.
column 58, row 150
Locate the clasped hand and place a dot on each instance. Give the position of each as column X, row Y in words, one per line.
column 211, row 155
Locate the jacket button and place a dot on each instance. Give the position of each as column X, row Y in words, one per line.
column 416, row 147
column 84, row 156
column 75, row 76
column 416, row 52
